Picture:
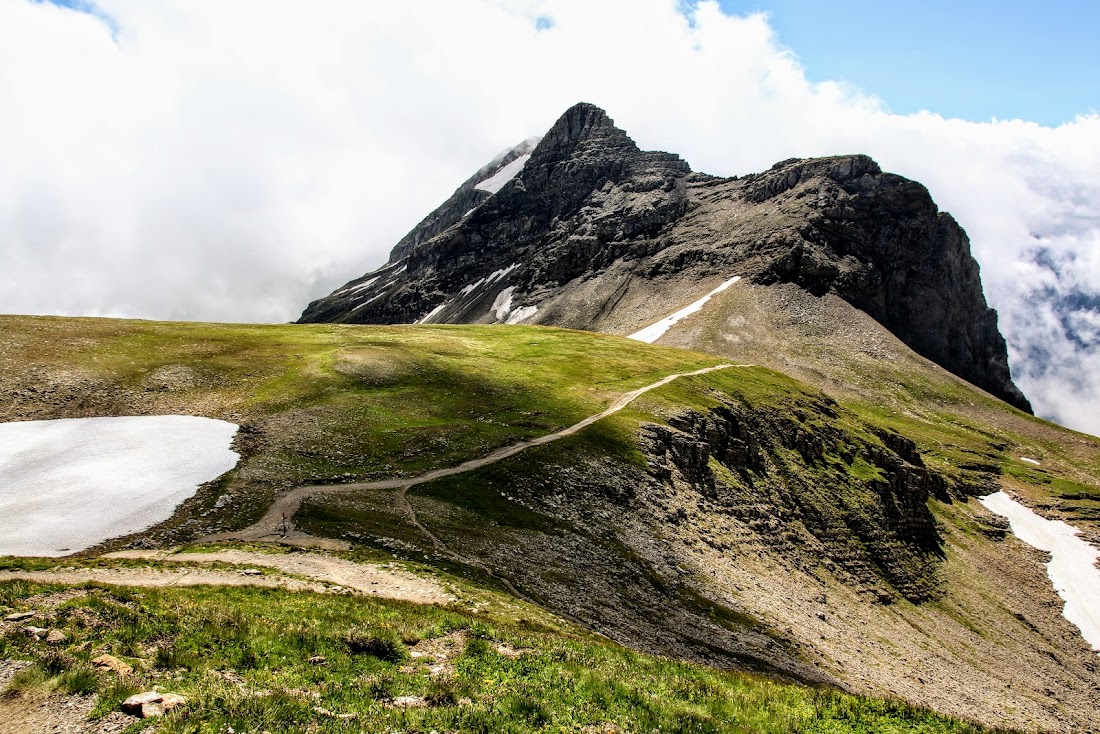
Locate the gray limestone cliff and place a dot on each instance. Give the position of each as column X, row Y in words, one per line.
column 582, row 229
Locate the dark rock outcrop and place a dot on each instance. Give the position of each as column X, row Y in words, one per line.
column 593, row 233
column 865, row 508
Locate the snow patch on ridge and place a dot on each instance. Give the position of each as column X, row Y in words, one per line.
column 521, row 314
column 492, row 176
column 69, row 484
column 467, row 289
column 1072, row 568
column 369, row 301
column 655, row 331
column 498, row 274
column 503, row 303
column 490, row 278
column 496, row 182
column 358, row 287
column 424, row 319
column 526, row 146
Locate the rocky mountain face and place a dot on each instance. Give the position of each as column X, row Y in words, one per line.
column 582, row 229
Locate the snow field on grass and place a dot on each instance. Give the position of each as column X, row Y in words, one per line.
column 653, row 332
column 1072, row 568
column 67, row 485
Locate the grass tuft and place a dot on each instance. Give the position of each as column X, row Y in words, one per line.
column 81, row 681
column 382, row 645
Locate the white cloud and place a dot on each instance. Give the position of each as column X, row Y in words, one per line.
column 231, row 159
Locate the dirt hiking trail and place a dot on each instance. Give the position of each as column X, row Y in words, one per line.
column 278, row 523
column 301, row 571
column 297, row 572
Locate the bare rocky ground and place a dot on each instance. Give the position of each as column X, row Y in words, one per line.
column 50, row 714
column 326, row 573
column 994, row 647
column 296, row 572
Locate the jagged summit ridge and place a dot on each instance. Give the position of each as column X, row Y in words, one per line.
column 591, row 232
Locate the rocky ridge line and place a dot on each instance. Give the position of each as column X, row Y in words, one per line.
column 594, row 233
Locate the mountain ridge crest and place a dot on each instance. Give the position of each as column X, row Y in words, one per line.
column 591, row 232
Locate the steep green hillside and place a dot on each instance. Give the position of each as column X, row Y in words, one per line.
column 741, row 519
column 322, row 403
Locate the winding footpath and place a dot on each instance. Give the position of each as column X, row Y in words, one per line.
column 277, row 524
column 318, row 572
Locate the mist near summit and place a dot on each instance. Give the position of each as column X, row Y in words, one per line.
column 231, row 161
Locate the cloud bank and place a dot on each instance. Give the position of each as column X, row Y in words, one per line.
column 232, row 160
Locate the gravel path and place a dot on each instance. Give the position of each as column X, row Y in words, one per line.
column 322, row 573
column 380, row 580
column 278, row 523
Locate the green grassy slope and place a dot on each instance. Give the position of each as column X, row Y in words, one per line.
column 242, row 659
column 801, row 550
column 323, row 403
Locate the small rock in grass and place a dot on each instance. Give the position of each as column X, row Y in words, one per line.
column 409, row 702
column 252, row 572
column 18, row 616
column 56, row 637
column 152, row 703
column 318, row 660
column 170, row 701
column 136, row 703
column 150, row 710
column 110, row 662
column 36, row 632
column 508, row 651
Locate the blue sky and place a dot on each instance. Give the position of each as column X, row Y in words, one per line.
column 973, row 59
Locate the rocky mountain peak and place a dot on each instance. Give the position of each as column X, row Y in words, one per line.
column 582, row 229
column 584, row 126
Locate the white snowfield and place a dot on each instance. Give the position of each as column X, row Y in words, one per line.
column 488, row 279
column 521, row 314
column 502, row 304
column 1072, row 568
column 523, row 148
column 653, row 332
column 496, row 182
column 67, row 485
